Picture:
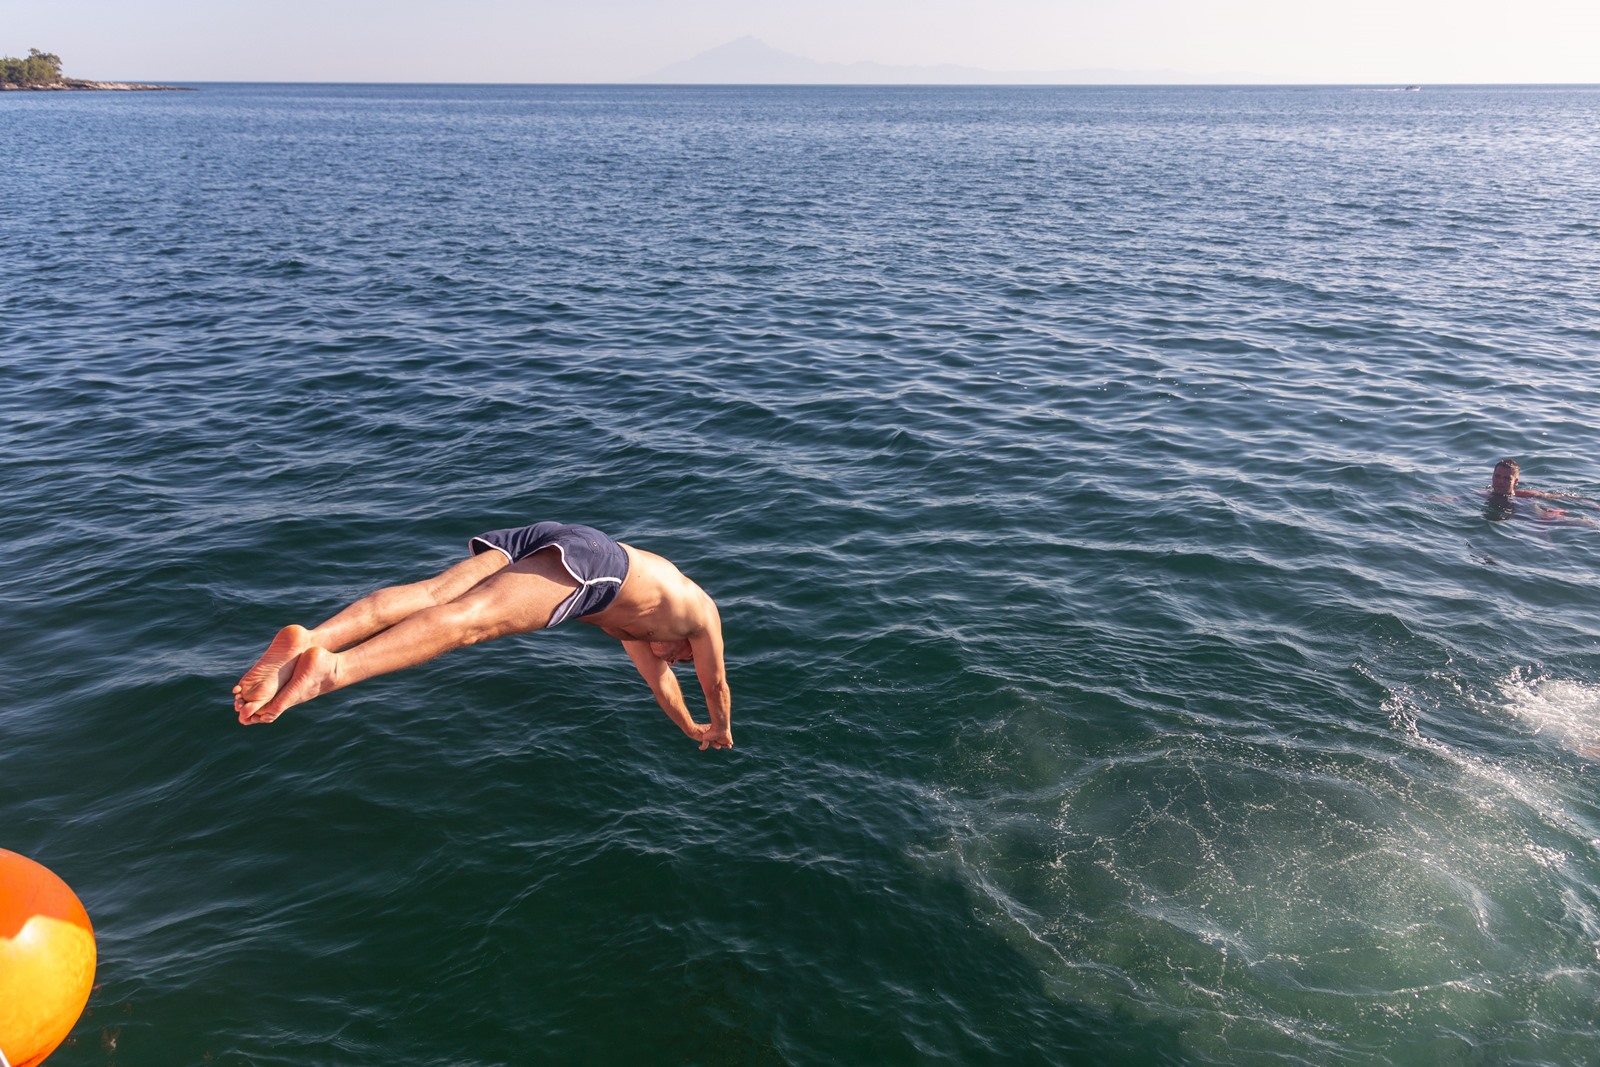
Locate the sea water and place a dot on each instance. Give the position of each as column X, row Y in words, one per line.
column 1125, row 669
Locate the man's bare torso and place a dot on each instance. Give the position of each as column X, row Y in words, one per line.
column 656, row 602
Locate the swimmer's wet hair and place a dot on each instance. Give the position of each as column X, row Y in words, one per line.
column 1508, row 462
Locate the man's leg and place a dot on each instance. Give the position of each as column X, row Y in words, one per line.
column 371, row 614
column 515, row 599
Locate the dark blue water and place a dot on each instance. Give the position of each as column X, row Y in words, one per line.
column 1124, row 668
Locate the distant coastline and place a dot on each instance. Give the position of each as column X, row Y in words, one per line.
column 41, row 72
column 74, row 85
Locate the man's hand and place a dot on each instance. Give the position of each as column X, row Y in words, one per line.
column 711, row 737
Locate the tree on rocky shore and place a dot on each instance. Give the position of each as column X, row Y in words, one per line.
column 40, row 68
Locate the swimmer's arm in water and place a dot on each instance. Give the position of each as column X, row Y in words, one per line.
column 1560, row 516
column 1527, row 494
column 1539, row 494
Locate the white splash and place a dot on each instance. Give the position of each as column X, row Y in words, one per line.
column 1568, row 711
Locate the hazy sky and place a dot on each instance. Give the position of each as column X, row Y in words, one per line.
column 1383, row 41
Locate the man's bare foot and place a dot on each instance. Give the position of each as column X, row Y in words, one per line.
column 316, row 671
column 272, row 671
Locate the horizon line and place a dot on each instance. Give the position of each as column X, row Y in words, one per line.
column 1401, row 83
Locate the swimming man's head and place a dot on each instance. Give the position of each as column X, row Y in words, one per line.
column 1506, row 473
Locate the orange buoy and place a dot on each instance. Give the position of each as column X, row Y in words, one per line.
column 46, row 960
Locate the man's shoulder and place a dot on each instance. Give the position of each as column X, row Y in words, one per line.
column 655, row 582
column 650, row 567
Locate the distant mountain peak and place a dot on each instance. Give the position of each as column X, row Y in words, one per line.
column 749, row 60
column 745, row 60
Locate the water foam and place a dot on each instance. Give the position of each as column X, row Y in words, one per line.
column 1279, row 902
column 1566, row 710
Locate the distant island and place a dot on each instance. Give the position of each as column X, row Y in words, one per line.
column 41, row 71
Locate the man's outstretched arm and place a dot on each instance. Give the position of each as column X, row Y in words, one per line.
column 657, row 673
column 1540, row 494
column 713, row 676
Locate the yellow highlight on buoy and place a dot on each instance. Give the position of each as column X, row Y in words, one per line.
column 47, row 960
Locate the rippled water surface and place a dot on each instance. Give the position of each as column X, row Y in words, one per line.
column 1124, row 667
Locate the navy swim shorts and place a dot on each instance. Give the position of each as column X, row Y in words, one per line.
column 596, row 562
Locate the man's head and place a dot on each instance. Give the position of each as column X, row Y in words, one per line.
column 673, row 651
column 1506, row 473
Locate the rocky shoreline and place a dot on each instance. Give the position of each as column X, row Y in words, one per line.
column 68, row 85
